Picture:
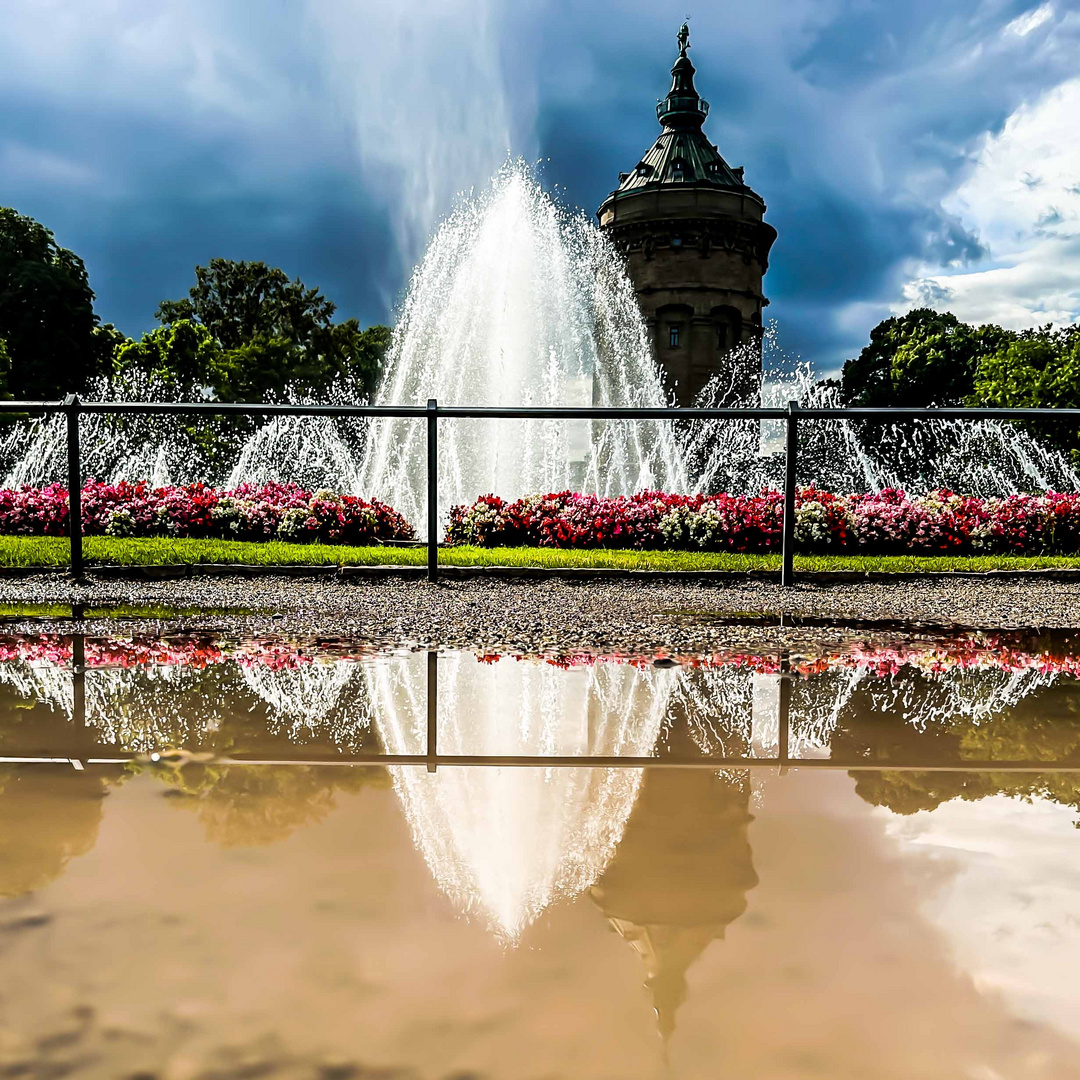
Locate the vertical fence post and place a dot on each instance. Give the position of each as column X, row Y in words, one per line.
column 787, row 572
column 783, row 740
column 78, row 679
column 71, row 407
column 432, row 709
column 433, row 490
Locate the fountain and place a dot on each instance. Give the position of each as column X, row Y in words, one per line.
column 983, row 457
column 520, row 302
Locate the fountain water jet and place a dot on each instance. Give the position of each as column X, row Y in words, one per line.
column 518, row 302
column 982, row 457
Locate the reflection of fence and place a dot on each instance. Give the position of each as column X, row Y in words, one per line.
column 782, row 760
column 73, row 407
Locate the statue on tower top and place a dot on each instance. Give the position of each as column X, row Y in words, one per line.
column 684, row 39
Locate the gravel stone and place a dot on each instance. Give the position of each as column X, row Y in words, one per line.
column 552, row 616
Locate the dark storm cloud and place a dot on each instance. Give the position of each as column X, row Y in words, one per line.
column 152, row 142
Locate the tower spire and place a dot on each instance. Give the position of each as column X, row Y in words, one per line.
column 696, row 244
column 683, row 108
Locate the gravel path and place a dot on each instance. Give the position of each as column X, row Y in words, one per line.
column 545, row 616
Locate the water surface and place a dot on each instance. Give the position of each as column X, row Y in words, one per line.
column 245, row 857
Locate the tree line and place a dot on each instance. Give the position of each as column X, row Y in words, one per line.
column 244, row 332
column 930, row 358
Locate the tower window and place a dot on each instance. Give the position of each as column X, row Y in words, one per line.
column 674, row 329
column 721, row 336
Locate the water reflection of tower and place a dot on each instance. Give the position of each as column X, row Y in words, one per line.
column 680, row 874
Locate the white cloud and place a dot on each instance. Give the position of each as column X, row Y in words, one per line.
column 1030, row 20
column 1023, row 201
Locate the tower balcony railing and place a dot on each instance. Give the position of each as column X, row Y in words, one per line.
column 679, row 103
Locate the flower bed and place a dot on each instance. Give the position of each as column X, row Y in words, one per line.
column 885, row 523
column 270, row 512
column 1010, row 652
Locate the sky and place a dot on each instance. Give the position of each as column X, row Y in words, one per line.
column 923, row 153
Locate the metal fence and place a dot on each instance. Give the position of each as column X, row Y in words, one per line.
column 433, row 412
column 782, row 760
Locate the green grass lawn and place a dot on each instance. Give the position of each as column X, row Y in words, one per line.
column 29, row 551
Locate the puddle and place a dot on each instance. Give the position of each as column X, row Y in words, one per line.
column 53, row 612
column 235, row 856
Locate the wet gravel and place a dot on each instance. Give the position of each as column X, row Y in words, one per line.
column 549, row 616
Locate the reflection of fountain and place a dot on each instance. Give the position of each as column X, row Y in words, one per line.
column 321, row 699
column 679, row 876
column 146, row 708
column 505, row 843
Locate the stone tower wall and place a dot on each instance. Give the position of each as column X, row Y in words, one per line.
column 697, row 259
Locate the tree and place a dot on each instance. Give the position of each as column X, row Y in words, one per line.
column 5, row 368
column 273, row 332
column 1036, row 369
column 923, row 358
column 183, row 355
column 239, row 301
column 46, row 313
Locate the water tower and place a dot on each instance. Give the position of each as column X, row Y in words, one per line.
column 697, row 247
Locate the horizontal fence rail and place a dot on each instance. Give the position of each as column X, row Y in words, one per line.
column 781, row 761
column 432, row 412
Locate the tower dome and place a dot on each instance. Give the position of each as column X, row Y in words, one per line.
column 697, row 247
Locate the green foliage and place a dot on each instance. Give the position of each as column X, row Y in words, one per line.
column 923, row 358
column 239, row 301
column 261, row 332
column 46, row 313
column 181, row 355
column 1036, row 369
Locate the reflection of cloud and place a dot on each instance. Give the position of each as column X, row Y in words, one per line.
column 1009, row 907
column 502, row 842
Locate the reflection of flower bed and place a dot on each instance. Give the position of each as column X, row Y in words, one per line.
column 998, row 652
column 888, row 522
column 270, row 512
